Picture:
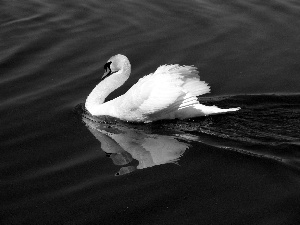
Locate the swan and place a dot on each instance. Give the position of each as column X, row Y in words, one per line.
column 168, row 93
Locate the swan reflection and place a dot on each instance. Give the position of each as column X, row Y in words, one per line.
column 124, row 143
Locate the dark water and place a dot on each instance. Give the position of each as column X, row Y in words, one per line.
column 59, row 164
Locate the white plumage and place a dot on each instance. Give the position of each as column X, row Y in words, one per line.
column 170, row 92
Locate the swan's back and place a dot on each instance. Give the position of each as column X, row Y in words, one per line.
column 160, row 95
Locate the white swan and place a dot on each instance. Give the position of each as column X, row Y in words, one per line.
column 170, row 92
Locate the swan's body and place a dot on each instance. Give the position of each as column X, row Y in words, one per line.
column 168, row 93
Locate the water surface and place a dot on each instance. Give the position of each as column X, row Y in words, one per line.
column 59, row 164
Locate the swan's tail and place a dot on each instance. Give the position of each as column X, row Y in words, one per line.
column 210, row 110
column 197, row 110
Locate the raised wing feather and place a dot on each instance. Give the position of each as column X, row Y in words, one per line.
column 164, row 90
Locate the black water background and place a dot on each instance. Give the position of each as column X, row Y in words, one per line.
column 52, row 54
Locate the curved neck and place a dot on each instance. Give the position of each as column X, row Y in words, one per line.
column 105, row 87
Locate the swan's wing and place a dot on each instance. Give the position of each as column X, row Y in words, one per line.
column 166, row 88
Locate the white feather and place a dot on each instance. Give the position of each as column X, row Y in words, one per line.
column 170, row 92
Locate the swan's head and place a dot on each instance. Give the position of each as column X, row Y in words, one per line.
column 118, row 64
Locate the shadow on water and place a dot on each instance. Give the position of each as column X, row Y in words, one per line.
column 126, row 143
column 266, row 127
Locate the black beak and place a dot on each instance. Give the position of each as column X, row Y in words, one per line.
column 107, row 70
